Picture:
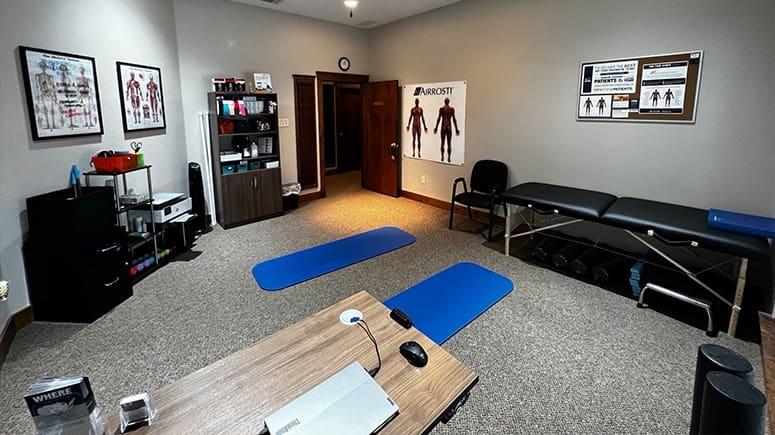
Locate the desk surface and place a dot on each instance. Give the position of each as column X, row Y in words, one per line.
column 236, row 393
column 767, row 329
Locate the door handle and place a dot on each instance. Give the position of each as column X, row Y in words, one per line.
column 255, row 183
column 110, row 284
column 393, row 150
column 112, row 247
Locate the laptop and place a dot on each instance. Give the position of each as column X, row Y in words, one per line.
column 349, row 402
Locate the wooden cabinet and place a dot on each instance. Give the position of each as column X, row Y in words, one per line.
column 245, row 145
column 247, row 195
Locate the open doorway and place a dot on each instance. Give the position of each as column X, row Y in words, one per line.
column 342, row 126
column 357, row 131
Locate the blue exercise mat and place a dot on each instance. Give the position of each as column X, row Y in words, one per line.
column 281, row 272
column 443, row 304
column 761, row 226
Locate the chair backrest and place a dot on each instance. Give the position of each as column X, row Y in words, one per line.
column 488, row 175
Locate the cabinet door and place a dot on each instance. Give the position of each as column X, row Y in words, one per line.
column 269, row 193
column 239, row 197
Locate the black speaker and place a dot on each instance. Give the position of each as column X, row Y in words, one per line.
column 196, row 191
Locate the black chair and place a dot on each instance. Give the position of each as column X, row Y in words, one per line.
column 488, row 180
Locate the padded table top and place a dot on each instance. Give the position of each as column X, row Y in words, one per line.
column 568, row 201
column 677, row 222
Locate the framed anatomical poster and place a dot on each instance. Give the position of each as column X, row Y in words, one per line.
column 62, row 94
column 141, row 95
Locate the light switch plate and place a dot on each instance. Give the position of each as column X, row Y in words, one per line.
column 283, row 122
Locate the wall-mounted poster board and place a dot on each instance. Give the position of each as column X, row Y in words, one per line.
column 660, row 88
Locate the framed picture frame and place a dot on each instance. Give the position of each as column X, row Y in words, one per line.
column 142, row 97
column 63, row 99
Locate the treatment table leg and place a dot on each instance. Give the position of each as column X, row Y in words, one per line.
column 738, row 293
column 507, row 235
column 738, row 302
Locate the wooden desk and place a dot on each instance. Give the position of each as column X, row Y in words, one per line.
column 236, row 394
column 767, row 329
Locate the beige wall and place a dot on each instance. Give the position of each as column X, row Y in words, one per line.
column 219, row 38
column 521, row 60
column 135, row 31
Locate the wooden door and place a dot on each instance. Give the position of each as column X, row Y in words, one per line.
column 381, row 153
column 349, row 126
column 306, row 132
column 239, row 203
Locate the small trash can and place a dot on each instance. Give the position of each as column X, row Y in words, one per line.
column 291, row 193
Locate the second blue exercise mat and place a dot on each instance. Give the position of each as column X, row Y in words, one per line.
column 281, row 272
column 443, row 304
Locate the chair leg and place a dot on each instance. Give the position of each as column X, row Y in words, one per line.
column 489, row 233
column 451, row 213
column 470, row 217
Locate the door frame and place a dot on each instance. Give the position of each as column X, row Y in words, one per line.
column 330, row 77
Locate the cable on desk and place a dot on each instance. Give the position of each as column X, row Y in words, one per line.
column 373, row 372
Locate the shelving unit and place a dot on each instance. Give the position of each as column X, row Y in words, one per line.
column 245, row 146
column 137, row 242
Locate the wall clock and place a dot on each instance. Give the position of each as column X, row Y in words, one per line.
column 344, row 63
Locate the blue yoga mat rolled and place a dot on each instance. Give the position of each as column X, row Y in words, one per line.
column 281, row 272
column 443, row 304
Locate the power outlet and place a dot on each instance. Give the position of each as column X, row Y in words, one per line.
column 424, row 179
column 283, row 122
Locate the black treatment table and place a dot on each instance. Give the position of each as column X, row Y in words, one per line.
column 671, row 224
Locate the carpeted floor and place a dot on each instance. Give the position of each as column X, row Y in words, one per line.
column 554, row 356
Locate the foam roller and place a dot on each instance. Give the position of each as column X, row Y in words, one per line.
column 712, row 357
column 731, row 405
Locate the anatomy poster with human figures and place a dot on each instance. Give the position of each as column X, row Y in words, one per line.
column 62, row 94
column 142, row 99
column 434, row 122
column 661, row 88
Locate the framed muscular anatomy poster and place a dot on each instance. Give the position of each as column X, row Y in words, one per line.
column 62, row 95
column 660, row 88
column 434, row 122
column 141, row 95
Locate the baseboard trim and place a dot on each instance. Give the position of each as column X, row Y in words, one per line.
column 14, row 323
column 478, row 214
column 306, row 197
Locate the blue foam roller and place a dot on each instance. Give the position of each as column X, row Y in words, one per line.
column 742, row 223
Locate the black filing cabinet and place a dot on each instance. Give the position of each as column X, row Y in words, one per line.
column 76, row 255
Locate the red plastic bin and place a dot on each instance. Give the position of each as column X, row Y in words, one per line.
column 123, row 162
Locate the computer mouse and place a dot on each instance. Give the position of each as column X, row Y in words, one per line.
column 414, row 353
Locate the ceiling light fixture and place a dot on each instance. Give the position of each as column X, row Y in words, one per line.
column 351, row 4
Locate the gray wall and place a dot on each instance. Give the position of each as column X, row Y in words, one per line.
column 218, row 38
column 137, row 31
column 521, row 60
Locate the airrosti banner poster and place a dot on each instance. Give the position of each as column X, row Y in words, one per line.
column 434, row 122
column 662, row 88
